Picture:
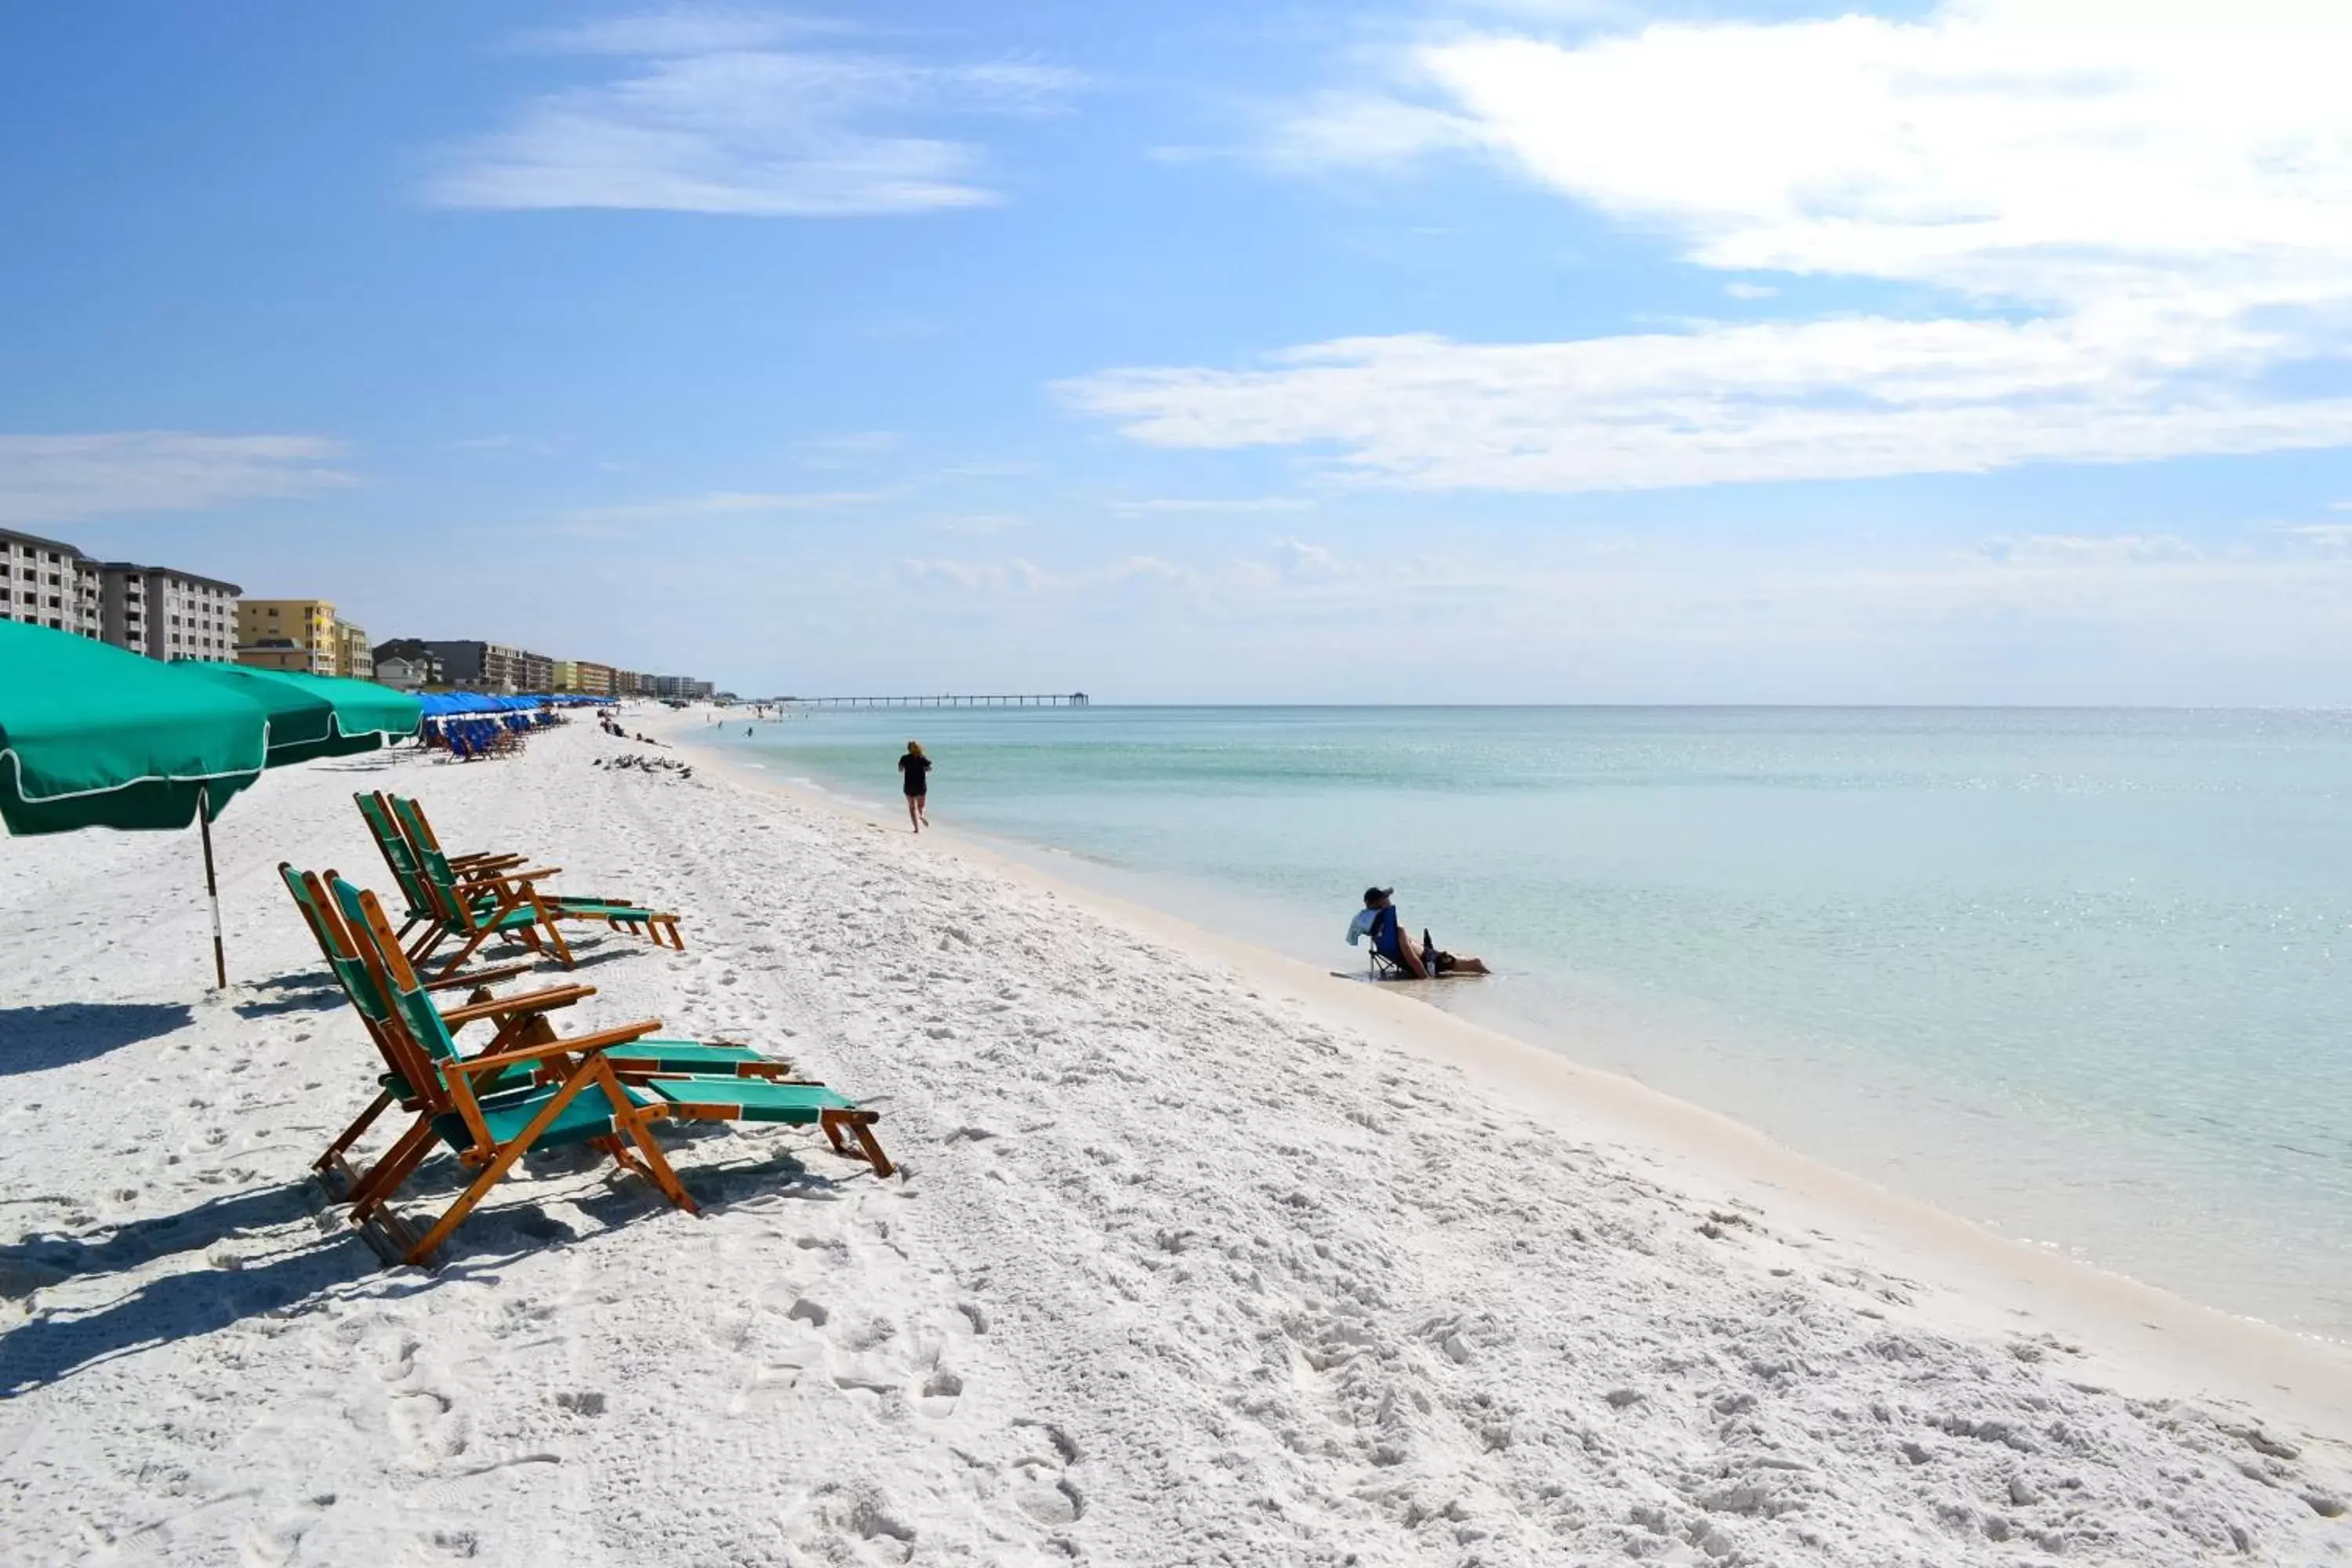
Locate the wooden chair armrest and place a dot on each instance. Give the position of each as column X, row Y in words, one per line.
column 543, row 1001
column 581, row 1045
column 477, row 976
column 532, row 875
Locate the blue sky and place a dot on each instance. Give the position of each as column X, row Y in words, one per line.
column 1515, row 350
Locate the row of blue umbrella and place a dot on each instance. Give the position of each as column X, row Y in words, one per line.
column 443, row 704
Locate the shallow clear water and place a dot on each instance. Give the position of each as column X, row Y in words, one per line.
column 2081, row 974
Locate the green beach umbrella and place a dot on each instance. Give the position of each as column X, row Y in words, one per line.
column 92, row 736
column 318, row 715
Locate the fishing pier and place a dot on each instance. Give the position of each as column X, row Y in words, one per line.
column 993, row 700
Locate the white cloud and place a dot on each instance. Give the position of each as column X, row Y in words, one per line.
column 2325, row 535
column 59, row 479
column 1024, row 576
column 1191, row 504
column 976, row 576
column 1840, row 399
column 683, row 30
column 715, row 120
column 2119, row 549
column 2147, row 206
column 983, row 522
column 725, row 503
column 1310, row 561
column 1746, row 290
column 1357, row 129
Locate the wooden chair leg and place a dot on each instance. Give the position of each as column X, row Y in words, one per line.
column 657, row 1165
column 351, row 1134
column 421, row 948
column 860, row 1125
column 472, row 944
column 372, row 1189
column 499, row 1163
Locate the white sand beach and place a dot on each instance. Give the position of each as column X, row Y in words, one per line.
column 1194, row 1255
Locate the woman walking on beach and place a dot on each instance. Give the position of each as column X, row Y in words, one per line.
column 914, row 768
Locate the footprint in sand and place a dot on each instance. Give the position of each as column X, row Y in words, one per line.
column 442, row 1546
column 427, row 1426
column 1045, row 1491
column 858, row 1525
column 938, row 1393
column 273, row 1543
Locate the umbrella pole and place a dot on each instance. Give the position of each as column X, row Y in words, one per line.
column 212, row 884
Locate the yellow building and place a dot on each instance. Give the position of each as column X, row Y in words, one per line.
column 581, row 675
column 308, row 623
column 353, row 657
column 279, row 654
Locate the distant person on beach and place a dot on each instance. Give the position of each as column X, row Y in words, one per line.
column 1377, row 920
column 914, row 778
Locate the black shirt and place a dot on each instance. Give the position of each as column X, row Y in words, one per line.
column 916, row 768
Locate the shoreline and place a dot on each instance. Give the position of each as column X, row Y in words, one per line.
column 2144, row 1339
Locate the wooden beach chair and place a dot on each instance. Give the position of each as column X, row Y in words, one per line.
column 367, row 987
column 376, row 810
column 476, row 874
column 508, row 903
column 371, row 1000
column 577, row 1095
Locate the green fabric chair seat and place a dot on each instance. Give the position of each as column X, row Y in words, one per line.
column 645, row 1056
column 590, row 1115
column 752, row 1100
column 682, row 1056
column 593, row 909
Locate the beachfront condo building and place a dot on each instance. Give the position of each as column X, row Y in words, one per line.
column 354, row 659
column 537, row 672
column 308, row 623
column 167, row 614
column 479, row 665
column 584, row 676
column 46, row 583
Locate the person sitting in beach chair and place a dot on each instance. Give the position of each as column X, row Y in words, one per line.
column 1393, row 958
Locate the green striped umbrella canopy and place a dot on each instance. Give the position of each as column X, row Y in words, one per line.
column 92, row 736
column 318, row 715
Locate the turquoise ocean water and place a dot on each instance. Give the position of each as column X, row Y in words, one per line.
column 2081, row 975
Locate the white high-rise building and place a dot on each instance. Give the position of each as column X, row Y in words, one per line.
column 46, row 583
column 167, row 614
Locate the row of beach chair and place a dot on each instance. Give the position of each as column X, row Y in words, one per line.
column 475, row 740
column 527, row 1086
column 472, row 899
